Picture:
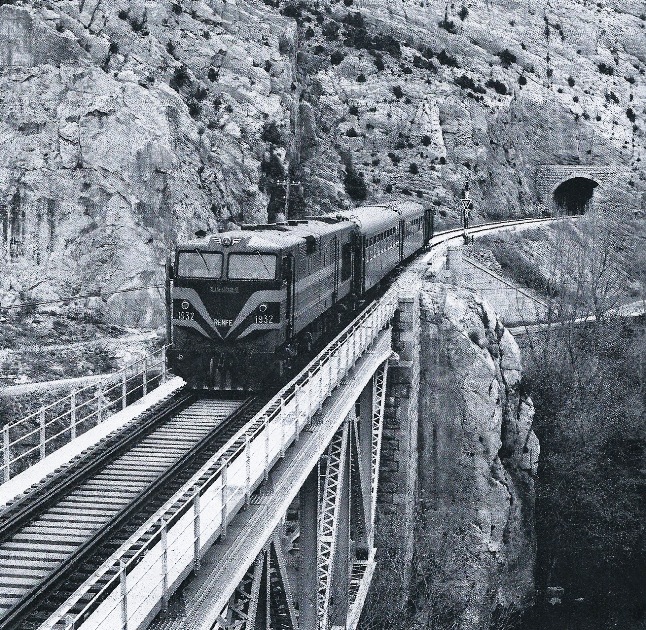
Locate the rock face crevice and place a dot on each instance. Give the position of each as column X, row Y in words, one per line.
column 127, row 125
column 477, row 460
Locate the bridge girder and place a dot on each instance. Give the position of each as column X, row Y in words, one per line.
column 317, row 576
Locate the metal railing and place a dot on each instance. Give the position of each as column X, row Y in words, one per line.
column 172, row 543
column 30, row 439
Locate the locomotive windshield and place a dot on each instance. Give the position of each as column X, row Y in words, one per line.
column 252, row 266
column 199, row 264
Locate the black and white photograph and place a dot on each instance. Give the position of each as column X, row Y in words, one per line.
column 322, row 315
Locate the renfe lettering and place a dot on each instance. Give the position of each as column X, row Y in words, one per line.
column 223, row 322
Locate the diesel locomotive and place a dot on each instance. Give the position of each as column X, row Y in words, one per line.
column 243, row 305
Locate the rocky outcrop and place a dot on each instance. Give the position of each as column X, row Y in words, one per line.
column 126, row 125
column 478, row 458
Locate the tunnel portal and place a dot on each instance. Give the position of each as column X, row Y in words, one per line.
column 573, row 196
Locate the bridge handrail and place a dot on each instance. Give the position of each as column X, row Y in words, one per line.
column 287, row 414
column 190, row 508
column 31, row 438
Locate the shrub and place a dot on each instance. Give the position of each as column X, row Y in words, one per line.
column 309, row 32
column 463, row 12
column 123, row 14
column 212, row 74
column 522, row 80
column 379, row 62
column 179, row 79
column 498, row 86
column 388, row 44
column 426, row 140
column 397, row 91
column 292, row 11
column 200, row 93
column 336, row 57
column 331, row 30
column 170, row 48
column 424, row 64
column 194, row 109
column 467, row 83
column 571, row 81
column 177, row 8
column 351, row 133
column 139, row 25
column 447, row 60
column 394, row 158
column 361, row 78
column 388, row 188
column 271, row 133
column 605, row 69
column 114, row 48
column 354, row 110
column 506, row 57
column 355, row 20
column 354, row 183
column 413, row 168
column 448, row 25
column 631, row 114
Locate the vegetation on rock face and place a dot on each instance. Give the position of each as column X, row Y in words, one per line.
column 588, row 384
column 355, row 183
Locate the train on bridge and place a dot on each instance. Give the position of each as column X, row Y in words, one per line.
column 242, row 306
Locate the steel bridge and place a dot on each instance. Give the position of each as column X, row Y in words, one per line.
column 278, row 529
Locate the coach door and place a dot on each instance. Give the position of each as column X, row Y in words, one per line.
column 402, row 236
column 429, row 214
column 289, row 276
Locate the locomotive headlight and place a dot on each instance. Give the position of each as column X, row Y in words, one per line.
column 262, row 308
column 185, row 304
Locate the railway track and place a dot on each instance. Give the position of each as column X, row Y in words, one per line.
column 50, row 544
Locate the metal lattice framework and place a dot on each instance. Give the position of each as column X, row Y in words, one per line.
column 331, row 549
column 329, row 517
column 378, row 405
column 263, row 599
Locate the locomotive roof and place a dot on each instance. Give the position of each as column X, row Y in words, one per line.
column 269, row 237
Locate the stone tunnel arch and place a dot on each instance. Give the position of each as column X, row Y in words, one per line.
column 574, row 196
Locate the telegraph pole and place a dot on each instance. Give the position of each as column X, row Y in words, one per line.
column 288, row 183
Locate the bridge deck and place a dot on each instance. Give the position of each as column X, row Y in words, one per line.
column 226, row 564
column 64, row 455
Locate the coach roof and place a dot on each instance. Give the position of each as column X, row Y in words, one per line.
column 371, row 219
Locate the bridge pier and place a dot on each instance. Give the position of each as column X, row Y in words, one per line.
column 398, row 471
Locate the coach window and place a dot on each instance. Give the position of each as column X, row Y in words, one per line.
column 252, row 266
column 197, row 264
column 346, row 262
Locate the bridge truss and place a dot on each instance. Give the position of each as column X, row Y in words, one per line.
column 316, row 566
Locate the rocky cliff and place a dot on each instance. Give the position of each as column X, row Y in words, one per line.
column 125, row 125
column 478, row 458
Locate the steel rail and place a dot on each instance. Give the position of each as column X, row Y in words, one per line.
column 42, row 496
column 55, row 580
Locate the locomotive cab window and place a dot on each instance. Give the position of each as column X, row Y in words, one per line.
column 197, row 264
column 252, row 266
